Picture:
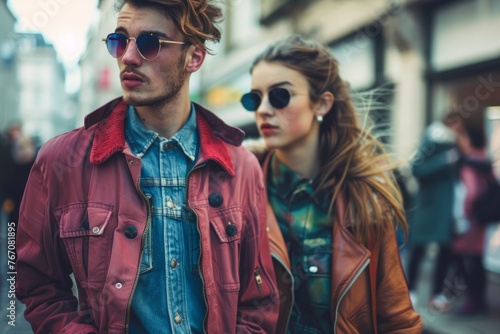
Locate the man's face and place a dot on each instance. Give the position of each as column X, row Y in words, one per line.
column 150, row 82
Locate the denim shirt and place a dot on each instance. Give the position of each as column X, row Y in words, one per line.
column 302, row 215
column 169, row 293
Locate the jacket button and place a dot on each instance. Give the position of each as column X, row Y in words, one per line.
column 174, row 263
column 215, row 200
column 178, row 318
column 231, row 230
column 130, row 232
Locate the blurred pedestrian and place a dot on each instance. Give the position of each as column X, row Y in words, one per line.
column 332, row 199
column 20, row 156
column 5, row 168
column 153, row 204
column 434, row 166
column 469, row 238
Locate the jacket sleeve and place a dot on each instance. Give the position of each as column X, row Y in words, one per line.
column 395, row 313
column 427, row 161
column 258, row 300
column 43, row 268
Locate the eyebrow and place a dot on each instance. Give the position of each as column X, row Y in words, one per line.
column 154, row 32
column 278, row 84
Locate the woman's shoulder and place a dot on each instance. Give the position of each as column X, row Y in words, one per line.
column 258, row 148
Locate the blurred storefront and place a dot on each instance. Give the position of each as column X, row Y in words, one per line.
column 464, row 72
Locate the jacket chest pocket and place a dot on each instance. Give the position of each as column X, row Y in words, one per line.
column 87, row 238
column 226, row 228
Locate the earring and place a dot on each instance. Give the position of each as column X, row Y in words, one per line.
column 319, row 118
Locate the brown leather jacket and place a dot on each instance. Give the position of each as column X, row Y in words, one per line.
column 360, row 302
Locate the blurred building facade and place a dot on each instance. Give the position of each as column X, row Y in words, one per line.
column 42, row 95
column 8, row 75
column 100, row 75
column 424, row 56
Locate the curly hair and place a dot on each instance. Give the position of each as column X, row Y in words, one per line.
column 353, row 162
column 196, row 19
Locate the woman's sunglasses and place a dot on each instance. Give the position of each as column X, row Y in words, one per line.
column 278, row 98
column 148, row 44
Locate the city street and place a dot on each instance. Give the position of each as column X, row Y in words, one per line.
column 436, row 323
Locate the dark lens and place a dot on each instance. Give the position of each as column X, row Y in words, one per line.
column 279, row 97
column 148, row 45
column 116, row 44
column 251, row 101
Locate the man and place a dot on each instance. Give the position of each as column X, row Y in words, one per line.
column 153, row 206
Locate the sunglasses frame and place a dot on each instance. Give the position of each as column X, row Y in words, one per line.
column 273, row 100
column 128, row 39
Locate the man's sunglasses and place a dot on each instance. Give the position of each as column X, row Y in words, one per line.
column 148, row 44
column 278, row 98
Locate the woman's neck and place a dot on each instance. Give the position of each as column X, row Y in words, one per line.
column 302, row 159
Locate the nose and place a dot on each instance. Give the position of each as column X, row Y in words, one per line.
column 264, row 107
column 131, row 55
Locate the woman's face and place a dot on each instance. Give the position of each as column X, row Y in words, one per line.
column 294, row 125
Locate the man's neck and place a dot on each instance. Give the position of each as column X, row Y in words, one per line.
column 166, row 119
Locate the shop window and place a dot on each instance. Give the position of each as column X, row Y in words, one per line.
column 465, row 32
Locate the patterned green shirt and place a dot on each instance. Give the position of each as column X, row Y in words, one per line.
column 303, row 218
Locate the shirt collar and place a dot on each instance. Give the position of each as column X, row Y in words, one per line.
column 140, row 138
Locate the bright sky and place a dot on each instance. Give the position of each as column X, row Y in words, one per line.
column 64, row 23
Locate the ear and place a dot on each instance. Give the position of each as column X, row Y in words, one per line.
column 324, row 104
column 194, row 59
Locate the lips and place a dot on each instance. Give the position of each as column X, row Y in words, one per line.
column 267, row 126
column 131, row 80
column 268, row 129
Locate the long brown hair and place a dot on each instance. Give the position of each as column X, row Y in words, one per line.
column 196, row 19
column 353, row 162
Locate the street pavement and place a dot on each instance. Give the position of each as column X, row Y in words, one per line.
column 451, row 323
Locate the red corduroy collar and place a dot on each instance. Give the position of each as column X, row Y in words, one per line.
column 109, row 136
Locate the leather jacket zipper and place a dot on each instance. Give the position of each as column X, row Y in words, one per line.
column 293, row 284
column 360, row 271
column 258, row 280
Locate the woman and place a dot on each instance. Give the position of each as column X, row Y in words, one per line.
column 332, row 199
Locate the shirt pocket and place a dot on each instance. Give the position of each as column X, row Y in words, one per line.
column 87, row 238
column 226, row 234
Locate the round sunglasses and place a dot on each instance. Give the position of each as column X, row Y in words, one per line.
column 278, row 98
column 148, row 44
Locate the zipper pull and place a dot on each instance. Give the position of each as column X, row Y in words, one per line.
column 258, row 279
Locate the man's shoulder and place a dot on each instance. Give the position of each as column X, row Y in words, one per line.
column 71, row 142
column 246, row 165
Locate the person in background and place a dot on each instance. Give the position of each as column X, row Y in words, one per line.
column 20, row 157
column 153, row 205
column 435, row 167
column 333, row 199
column 469, row 240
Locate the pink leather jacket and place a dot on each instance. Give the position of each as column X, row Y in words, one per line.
column 83, row 212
